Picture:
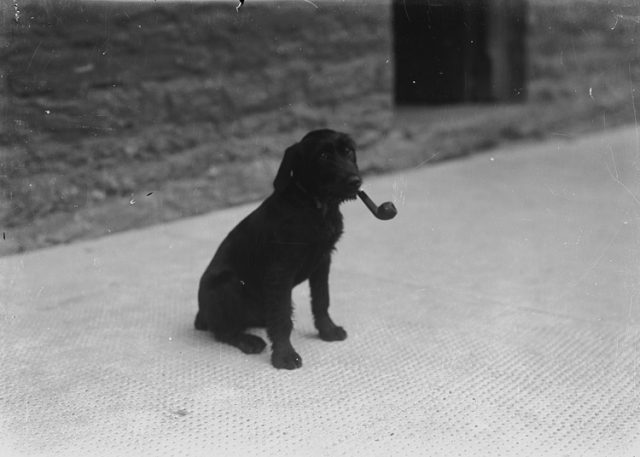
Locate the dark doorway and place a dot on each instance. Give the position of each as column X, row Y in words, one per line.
column 459, row 51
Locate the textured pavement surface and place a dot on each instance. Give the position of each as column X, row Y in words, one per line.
column 498, row 314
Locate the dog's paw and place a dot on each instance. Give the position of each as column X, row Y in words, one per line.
column 333, row 333
column 251, row 344
column 287, row 359
column 329, row 331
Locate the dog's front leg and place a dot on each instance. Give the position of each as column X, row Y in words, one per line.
column 277, row 296
column 319, row 285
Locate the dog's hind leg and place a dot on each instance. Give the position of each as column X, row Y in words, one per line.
column 247, row 343
column 200, row 323
column 223, row 311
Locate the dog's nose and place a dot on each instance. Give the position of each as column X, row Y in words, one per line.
column 354, row 181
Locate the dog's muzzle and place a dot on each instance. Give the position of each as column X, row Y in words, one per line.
column 354, row 183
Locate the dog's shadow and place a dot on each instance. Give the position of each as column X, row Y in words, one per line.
column 196, row 338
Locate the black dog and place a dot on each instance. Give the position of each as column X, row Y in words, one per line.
column 288, row 239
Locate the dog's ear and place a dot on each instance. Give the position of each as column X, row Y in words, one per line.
column 285, row 172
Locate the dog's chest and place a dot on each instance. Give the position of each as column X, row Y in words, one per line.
column 326, row 232
column 320, row 242
column 310, row 261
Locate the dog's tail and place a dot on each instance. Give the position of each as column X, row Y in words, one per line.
column 199, row 323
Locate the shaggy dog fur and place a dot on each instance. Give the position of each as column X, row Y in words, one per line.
column 288, row 239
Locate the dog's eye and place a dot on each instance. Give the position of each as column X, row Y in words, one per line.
column 324, row 155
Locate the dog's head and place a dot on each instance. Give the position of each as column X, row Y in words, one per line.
column 322, row 164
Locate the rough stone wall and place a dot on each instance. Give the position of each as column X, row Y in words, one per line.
column 101, row 100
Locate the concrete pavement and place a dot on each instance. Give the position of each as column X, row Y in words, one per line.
column 498, row 314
